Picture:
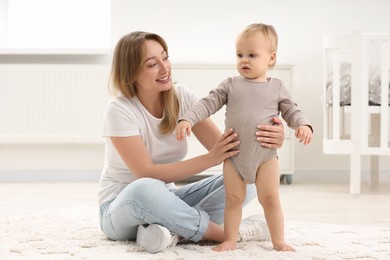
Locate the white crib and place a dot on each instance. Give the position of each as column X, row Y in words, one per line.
column 356, row 100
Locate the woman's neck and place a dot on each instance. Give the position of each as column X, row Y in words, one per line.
column 153, row 103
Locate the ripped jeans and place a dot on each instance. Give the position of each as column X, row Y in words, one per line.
column 185, row 211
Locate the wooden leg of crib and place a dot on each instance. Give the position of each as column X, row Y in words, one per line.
column 374, row 141
column 355, row 174
column 374, row 174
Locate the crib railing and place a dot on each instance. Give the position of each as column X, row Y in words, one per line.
column 384, row 110
column 341, row 137
column 335, row 139
column 52, row 103
column 368, row 125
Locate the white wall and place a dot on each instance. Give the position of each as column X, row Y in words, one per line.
column 204, row 31
column 2, row 22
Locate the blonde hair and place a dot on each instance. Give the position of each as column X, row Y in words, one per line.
column 268, row 31
column 128, row 60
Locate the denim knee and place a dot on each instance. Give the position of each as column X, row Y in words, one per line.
column 141, row 190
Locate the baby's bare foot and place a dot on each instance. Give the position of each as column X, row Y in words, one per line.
column 225, row 246
column 283, row 247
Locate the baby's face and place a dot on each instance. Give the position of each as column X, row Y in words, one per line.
column 254, row 57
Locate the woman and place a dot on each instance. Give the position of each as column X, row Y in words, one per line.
column 138, row 199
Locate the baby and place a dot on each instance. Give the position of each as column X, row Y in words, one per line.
column 251, row 99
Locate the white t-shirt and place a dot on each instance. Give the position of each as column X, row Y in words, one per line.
column 128, row 117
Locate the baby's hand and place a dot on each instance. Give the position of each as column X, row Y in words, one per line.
column 183, row 127
column 304, row 134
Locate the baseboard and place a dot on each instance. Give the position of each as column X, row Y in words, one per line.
column 49, row 176
column 299, row 176
column 321, row 175
column 336, row 175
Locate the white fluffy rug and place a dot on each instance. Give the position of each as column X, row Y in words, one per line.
column 74, row 234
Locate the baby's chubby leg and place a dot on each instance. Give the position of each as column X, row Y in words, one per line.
column 235, row 195
column 267, row 184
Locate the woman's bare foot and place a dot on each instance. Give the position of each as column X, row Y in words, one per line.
column 225, row 246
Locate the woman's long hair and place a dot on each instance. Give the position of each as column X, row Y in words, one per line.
column 128, row 60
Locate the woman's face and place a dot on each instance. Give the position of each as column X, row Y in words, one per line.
column 155, row 76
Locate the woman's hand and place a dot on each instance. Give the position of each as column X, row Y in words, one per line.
column 271, row 136
column 222, row 148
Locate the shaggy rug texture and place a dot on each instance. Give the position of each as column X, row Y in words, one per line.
column 73, row 233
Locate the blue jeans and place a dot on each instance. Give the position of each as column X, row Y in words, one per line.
column 185, row 211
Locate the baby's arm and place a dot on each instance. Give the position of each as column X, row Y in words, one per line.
column 182, row 128
column 304, row 134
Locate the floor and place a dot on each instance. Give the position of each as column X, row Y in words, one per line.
column 306, row 199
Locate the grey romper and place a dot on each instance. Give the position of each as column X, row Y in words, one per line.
column 249, row 104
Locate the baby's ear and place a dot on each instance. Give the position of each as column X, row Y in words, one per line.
column 272, row 58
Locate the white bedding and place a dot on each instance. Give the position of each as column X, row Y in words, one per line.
column 374, row 93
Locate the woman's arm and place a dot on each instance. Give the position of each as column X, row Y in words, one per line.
column 207, row 133
column 137, row 158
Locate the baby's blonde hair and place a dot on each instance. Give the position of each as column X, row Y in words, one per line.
column 267, row 30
